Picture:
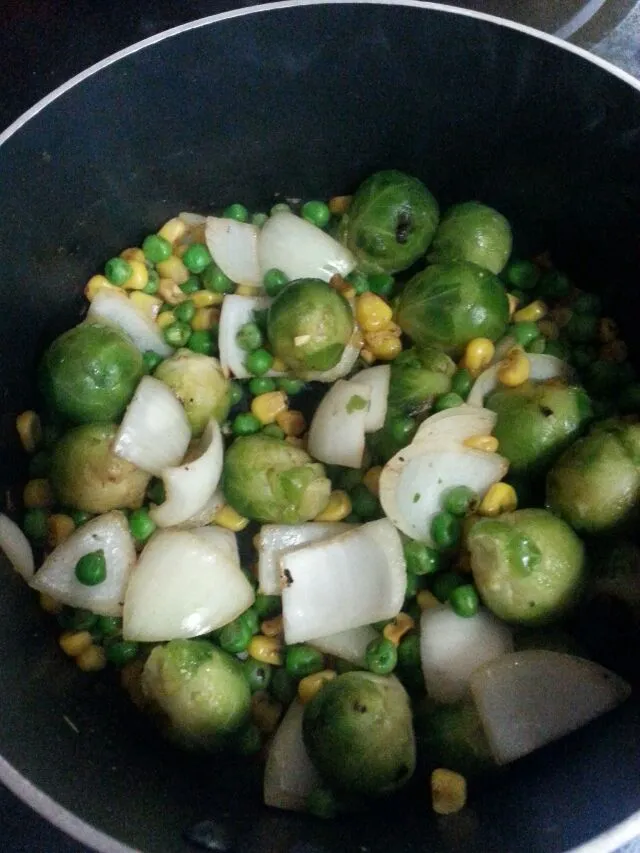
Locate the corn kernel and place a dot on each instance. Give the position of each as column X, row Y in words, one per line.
column 265, row 649
column 92, row 659
column 30, row 430
column 292, row 422
column 59, row 527
column 372, row 479
column 228, row 518
column 607, row 330
column 367, row 356
column 272, row 627
column 96, row 284
column 170, row 291
column 204, row 319
column 338, row 508
column 515, row 368
column 149, row 305
column 501, row 497
column 339, row 204
column 74, row 643
column 398, row 627
column 549, row 329
column 173, row 230
column 265, row 712
column 174, row 269
column 166, row 318
column 38, row 494
column 384, row 346
column 487, row 443
column 513, row 304
column 50, row 604
column 139, row 276
column 531, row 313
column 448, row 791
column 394, row 329
column 372, row 312
column 267, row 407
column 311, row 685
column 245, row 290
column 133, row 254
column 561, row 315
column 426, row 600
column 278, row 366
column 477, row 355
column 615, row 351
column 206, row 299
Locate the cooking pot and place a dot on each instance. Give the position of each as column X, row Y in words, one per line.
column 300, row 99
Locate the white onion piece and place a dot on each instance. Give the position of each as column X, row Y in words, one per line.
column 234, row 248
column 189, row 487
column 463, row 423
column 108, row 533
column 113, row 309
column 348, row 645
column 289, row 775
column 220, row 539
column 452, row 647
column 192, row 220
column 205, row 515
column 16, row 548
column 377, row 379
column 542, row 367
column 355, row 579
column 183, row 586
column 343, row 367
column 155, row 431
column 274, row 540
column 530, row 698
column 337, row 431
column 413, row 482
column 301, row 250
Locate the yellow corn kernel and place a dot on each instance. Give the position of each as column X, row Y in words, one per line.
column 292, row 422
column 173, row 230
column 38, row 494
column 561, row 315
column 174, row 269
column 339, row 204
column 278, row 366
column 139, row 276
column 130, row 680
column 384, row 346
column 531, row 313
column 513, row 304
column 488, row 443
column 170, row 291
column 615, row 351
column 607, row 330
column 30, row 430
column 515, row 368
column 398, row 627
column 310, row 685
column 367, row 356
column 59, row 528
column 206, row 299
column 149, row 305
column 133, row 254
column 372, row 312
column 338, row 508
column 549, row 329
column 265, row 712
column 180, row 249
column 448, row 791
column 227, row 517
column 204, row 319
column 165, row 318
column 372, row 479
column 272, row 627
column 50, row 604
column 477, row 355
column 245, row 290
column 92, row 659
column 74, row 643
column 96, row 284
column 501, row 497
column 267, row 407
column 426, row 600
column 394, row 329
column 265, row 649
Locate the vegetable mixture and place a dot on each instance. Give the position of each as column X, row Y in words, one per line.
column 321, row 483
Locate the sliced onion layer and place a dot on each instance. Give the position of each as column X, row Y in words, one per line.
column 355, row 579
column 236, row 312
column 377, row 379
column 530, row 698
column 108, row 533
column 542, row 367
column 155, row 431
column 337, row 431
column 16, row 547
column 348, row 645
column 220, row 539
column 289, row 775
column 189, row 487
column 183, row 586
column 455, row 425
column 234, row 248
column 115, row 309
column 205, row 515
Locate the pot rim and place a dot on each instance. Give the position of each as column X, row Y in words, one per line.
column 65, row 820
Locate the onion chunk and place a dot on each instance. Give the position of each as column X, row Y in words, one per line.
column 16, row 548
column 337, row 431
column 115, row 309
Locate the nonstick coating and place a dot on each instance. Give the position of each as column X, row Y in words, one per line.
column 303, row 100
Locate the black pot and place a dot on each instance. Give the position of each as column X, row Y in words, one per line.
column 299, row 100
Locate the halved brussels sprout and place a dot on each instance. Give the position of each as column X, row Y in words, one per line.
column 198, row 382
column 417, row 377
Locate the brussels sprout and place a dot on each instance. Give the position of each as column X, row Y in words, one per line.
column 528, row 565
column 87, row 475
column 89, row 373
column 472, row 232
column 417, row 377
column 595, row 485
column 390, row 222
column 197, row 692
column 450, row 304
column 451, row 735
column 267, row 479
column 308, row 325
column 359, row 734
column 198, row 382
column 536, row 422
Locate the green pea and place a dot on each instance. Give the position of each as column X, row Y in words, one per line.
column 79, row 517
column 261, row 385
column 459, row 501
column 258, row 219
column 117, row 270
column 91, row 569
column 121, row 652
column 283, row 687
column 156, row 248
column 412, row 586
column 246, row 424
column 461, row 383
column 202, row 342
column 364, row 503
column 559, row 349
column 554, row 285
column 274, row 281
column 581, row 328
column 252, row 619
column 191, row 285
column 259, row 362
column 348, row 478
column 445, row 530
column 274, row 431
column 409, row 652
column 322, row 803
column 316, row 212
column 260, row 319
column 185, row 311
column 281, row 207
column 352, row 518
column 81, row 620
column 258, row 674
column 151, row 360
column 381, row 656
column 291, row 387
column 587, row 303
column 381, row 284
column 267, row 606
column 141, row 524
column 537, row 346
column 464, row 600
column 525, row 332
column 402, row 429
column 197, row 258
column 236, row 393
column 447, row 401
column 39, row 464
column 249, row 741
column 235, row 637
column 358, row 281
column 583, row 355
column 216, row 281
column 153, row 283
column 249, row 337
column 34, row 524
column 302, row 660
column 155, row 492
column 444, row 583
column 177, row 334
column 236, row 211
column 108, row 626
column 420, row 558
column 521, row 274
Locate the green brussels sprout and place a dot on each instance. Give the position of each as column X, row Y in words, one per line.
column 450, row 304
column 390, row 222
column 308, row 325
column 451, row 735
column 87, row 475
column 536, row 422
column 90, row 373
column 197, row 692
column 198, row 382
column 417, row 377
column 359, row 734
column 595, row 485
column 528, row 565
column 267, row 479
column 472, row 232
